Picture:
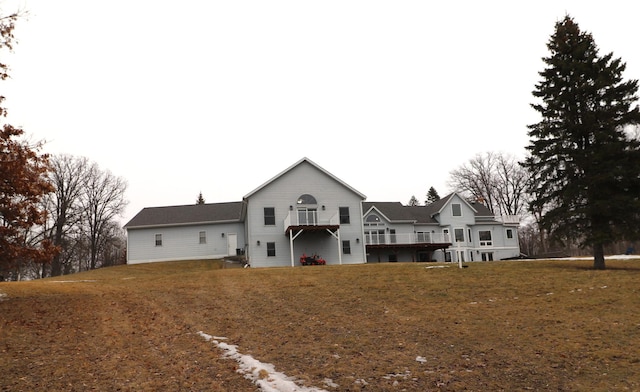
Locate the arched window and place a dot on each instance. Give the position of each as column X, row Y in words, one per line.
column 307, row 210
column 372, row 220
column 306, row 199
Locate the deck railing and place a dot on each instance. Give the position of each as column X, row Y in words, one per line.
column 377, row 238
column 504, row 219
column 508, row 218
column 309, row 218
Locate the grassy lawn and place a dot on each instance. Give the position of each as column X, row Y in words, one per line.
column 534, row 325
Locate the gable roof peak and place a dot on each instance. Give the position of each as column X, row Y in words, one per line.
column 298, row 163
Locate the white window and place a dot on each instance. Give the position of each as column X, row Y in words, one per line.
column 485, row 238
column 459, row 234
column 346, row 247
column 375, row 237
column 269, row 216
column 372, row 220
column 306, row 199
column 344, row 215
column 271, row 249
column 307, row 216
column 423, row 236
column 203, row 237
column 487, row 256
column 456, row 210
column 158, row 239
column 509, row 233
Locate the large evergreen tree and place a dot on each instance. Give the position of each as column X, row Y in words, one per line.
column 584, row 165
column 432, row 195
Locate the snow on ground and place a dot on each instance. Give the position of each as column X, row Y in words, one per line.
column 3, row 296
column 264, row 375
column 613, row 257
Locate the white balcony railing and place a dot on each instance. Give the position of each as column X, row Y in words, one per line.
column 504, row 219
column 511, row 219
column 378, row 238
column 309, row 218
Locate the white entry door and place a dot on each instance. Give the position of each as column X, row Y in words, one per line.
column 232, row 244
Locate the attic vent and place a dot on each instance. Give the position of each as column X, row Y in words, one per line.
column 306, row 199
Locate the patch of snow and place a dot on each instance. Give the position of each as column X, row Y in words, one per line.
column 404, row 375
column 329, row 382
column 421, row 359
column 3, row 296
column 612, row 257
column 437, row 266
column 264, row 375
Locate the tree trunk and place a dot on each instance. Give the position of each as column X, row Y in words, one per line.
column 598, row 257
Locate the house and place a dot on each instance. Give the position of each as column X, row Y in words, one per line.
column 305, row 210
column 450, row 229
column 197, row 231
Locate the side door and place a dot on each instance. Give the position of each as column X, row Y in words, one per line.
column 232, row 244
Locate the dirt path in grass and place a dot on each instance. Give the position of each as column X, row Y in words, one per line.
column 87, row 336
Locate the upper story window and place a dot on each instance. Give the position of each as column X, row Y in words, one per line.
column 485, row 238
column 307, row 216
column 459, row 234
column 509, row 233
column 269, row 216
column 306, row 199
column 423, row 236
column 456, row 209
column 344, row 215
column 372, row 220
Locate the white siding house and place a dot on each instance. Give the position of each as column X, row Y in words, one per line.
column 299, row 212
column 306, row 210
column 450, row 229
column 188, row 232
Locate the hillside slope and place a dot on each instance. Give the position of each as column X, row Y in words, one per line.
column 493, row 326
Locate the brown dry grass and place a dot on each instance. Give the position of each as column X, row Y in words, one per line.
column 553, row 325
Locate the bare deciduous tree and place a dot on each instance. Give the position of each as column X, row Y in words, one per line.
column 63, row 205
column 102, row 202
column 495, row 179
column 413, row 201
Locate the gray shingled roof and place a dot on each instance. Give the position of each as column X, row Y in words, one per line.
column 395, row 211
column 187, row 214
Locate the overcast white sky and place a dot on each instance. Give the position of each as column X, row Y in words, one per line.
column 179, row 97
